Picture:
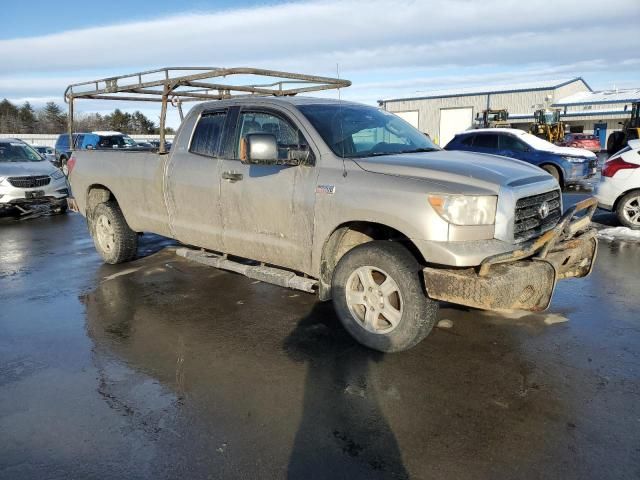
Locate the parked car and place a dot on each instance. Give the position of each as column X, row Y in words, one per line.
column 27, row 179
column 567, row 165
column 345, row 200
column 47, row 152
column 581, row 140
column 63, row 150
column 93, row 141
column 619, row 187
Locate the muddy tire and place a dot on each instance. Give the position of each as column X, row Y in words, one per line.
column 112, row 236
column 63, row 166
column 379, row 296
column 628, row 210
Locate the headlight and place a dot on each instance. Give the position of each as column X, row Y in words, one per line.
column 575, row 159
column 465, row 209
column 57, row 175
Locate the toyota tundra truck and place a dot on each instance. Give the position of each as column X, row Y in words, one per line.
column 345, row 200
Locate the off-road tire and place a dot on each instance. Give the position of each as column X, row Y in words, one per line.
column 123, row 244
column 419, row 313
column 620, row 209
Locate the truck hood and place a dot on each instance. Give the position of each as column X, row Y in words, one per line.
column 465, row 168
column 26, row 169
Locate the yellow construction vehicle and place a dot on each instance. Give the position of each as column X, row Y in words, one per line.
column 547, row 125
column 630, row 131
column 493, row 119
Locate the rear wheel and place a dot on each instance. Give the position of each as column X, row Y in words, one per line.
column 379, row 296
column 628, row 210
column 112, row 236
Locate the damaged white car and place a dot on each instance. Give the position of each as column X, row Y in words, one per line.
column 27, row 180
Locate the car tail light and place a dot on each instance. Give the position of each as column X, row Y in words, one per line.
column 612, row 166
column 70, row 164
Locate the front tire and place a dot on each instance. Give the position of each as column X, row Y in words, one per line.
column 113, row 238
column 628, row 210
column 615, row 142
column 379, row 296
column 554, row 172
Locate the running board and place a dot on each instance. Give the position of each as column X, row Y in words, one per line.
column 276, row 276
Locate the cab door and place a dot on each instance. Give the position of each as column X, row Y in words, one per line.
column 192, row 187
column 268, row 210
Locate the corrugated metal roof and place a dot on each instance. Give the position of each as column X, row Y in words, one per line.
column 622, row 95
column 484, row 90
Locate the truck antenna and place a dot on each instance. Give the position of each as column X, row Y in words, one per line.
column 344, row 167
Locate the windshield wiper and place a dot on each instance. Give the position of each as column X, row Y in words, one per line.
column 420, row 150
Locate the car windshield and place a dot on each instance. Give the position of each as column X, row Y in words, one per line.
column 18, row 152
column 362, row 131
column 116, row 141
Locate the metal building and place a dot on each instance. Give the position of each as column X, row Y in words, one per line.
column 444, row 113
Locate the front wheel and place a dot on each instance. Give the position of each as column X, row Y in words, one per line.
column 628, row 210
column 379, row 296
column 554, row 172
column 112, row 236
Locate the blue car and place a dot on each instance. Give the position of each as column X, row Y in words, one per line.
column 568, row 165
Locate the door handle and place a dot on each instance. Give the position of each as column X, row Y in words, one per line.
column 231, row 176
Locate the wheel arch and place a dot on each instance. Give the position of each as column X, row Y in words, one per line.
column 617, row 202
column 557, row 167
column 350, row 234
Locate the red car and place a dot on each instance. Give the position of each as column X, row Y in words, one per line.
column 581, row 140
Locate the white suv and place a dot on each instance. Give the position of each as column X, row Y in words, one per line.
column 619, row 189
column 27, row 179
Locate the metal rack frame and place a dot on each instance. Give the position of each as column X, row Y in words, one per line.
column 176, row 85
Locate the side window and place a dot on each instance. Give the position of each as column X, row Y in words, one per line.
column 207, row 134
column 508, row 142
column 468, row 140
column 287, row 136
column 486, row 141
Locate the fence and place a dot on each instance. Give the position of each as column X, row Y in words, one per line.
column 49, row 140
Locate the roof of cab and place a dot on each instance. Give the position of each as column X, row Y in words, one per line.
column 265, row 100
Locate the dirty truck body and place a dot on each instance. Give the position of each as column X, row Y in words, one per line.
column 355, row 202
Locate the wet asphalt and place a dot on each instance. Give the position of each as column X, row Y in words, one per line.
column 162, row 368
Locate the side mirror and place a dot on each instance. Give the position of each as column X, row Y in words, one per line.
column 259, row 148
column 262, row 148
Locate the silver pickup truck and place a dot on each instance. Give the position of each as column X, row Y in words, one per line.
column 347, row 200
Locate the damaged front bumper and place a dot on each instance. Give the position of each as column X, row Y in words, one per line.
column 525, row 278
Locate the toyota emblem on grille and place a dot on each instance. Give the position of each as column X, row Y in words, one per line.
column 543, row 210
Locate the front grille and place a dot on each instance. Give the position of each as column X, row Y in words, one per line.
column 29, row 182
column 528, row 221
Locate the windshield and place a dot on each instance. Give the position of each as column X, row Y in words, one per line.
column 18, row 152
column 116, row 141
column 361, row 131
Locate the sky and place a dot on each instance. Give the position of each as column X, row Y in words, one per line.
column 387, row 49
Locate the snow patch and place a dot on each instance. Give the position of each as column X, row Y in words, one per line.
column 620, row 233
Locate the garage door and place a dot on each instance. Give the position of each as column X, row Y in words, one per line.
column 411, row 117
column 452, row 121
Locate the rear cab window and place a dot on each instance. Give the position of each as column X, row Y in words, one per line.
column 207, row 135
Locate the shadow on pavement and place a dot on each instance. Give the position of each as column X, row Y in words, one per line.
column 343, row 432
